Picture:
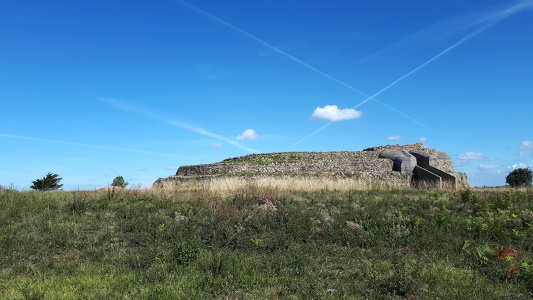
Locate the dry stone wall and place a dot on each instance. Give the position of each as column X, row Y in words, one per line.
column 287, row 163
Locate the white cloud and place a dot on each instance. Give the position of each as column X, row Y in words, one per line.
column 486, row 167
column 526, row 153
column 248, row 134
column 216, row 145
column 471, row 156
column 460, row 162
column 526, row 145
column 333, row 114
column 394, row 138
column 422, row 139
column 520, row 166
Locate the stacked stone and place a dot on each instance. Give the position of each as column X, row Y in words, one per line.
column 392, row 164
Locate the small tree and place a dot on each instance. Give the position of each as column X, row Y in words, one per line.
column 49, row 182
column 519, row 177
column 119, row 181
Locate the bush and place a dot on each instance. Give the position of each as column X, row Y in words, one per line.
column 49, row 182
column 519, row 177
column 119, row 181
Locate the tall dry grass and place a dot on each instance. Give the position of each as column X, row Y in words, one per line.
column 229, row 185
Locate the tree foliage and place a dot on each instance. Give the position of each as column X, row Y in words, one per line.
column 519, row 177
column 49, row 182
column 119, row 181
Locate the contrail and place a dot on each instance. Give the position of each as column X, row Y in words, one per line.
column 496, row 18
column 491, row 21
column 210, row 134
column 262, row 42
column 126, row 107
column 276, row 49
column 94, row 146
column 401, row 113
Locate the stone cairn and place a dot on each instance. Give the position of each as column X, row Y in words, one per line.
column 410, row 165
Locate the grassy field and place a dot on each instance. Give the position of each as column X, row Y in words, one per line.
column 302, row 239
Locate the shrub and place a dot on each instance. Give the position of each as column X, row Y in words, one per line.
column 519, row 177
column 49, row 182
column 119, row 181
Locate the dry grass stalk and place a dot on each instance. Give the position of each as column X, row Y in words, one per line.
column 230, row 185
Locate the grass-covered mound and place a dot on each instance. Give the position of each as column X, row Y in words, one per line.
column 266, row 242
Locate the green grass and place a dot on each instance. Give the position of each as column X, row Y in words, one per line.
column 268, row 158
column 267, row 243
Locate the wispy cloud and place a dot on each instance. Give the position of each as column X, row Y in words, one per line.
column 248, row 134
column 216, row 145
column 333, row 113
column 471, row 156
column 457, row 24
column 488, row 21
column 488, row 167
column 422, row 140
column 94, row 146
column 526, row 145
column 208, row 71
column 394, row 138
column 129, row 108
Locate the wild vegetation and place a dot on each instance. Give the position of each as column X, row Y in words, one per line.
column 521, row 177
column 49, row 182
column 120, row 182
column 305, row 239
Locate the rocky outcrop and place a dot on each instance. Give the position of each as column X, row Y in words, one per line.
column 398, row 165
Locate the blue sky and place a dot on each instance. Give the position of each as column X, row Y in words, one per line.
column 95, row 89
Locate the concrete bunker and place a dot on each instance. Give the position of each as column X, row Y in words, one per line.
column 423, row 166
